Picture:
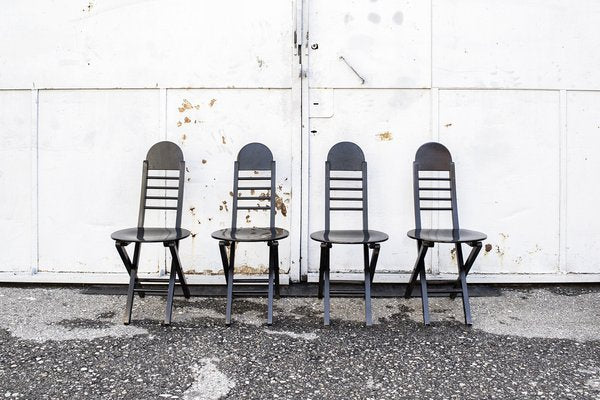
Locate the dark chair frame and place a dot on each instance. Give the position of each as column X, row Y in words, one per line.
column 252, row 157
column 163, row 156
column 434, row 157
column 347, row 156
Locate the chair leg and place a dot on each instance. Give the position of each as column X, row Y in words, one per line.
column 462, row 277
column 472, row 256
column 422, row 252
column 176, row 263
column 424, row 294
column 170, row 294
column 224, row 261
column 230, row 283
column 374, row 257
column 465, row 296
column 326, row 248
column 127, row 262
column 136, row 261
column 271, row 284
column 132, row 269
column 276, row 268
column 321, row 272
column 367, row 268
column 130, row 293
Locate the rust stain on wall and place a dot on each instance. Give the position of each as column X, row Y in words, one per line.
column 247, row 269
column 280, row 205
column 187, row 120
column 385, row 136
column 223, row 206
column 186, row 105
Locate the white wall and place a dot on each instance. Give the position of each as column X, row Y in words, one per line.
column 512, row 88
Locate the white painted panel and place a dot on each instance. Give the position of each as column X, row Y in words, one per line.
column 583, row 191
column 386, row 42
column 91, row 148
column 505, row 145
column 211, row 126
column 15, row 180
column 129, row 43
column 541, row 44
column 388, row 125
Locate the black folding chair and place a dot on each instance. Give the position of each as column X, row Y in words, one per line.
column 163, row 156
column 434, row 183
column 345, row 159
column 252, row 159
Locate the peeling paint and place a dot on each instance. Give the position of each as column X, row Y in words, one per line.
column 223, row 139
column 453, row 254
column 248, row 270
column 187, row 120
column 488, row 247
column 536, row 250
column 499, row 251
column 212, row 102
column 260, row 62
column 280, row 205
column 183, row 137
column 179, row 124
column 448, row 125
column 224, row 206
column 89, row 7
column 186, row 105
column 385, row 136
column 248, row 220
column 193, row 210
column 231, row 194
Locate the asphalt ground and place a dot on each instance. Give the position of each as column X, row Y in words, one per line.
column 526, row 342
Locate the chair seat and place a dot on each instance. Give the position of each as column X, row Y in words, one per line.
column 250, row 234
column 349, row 236
column 447, row 235
column 142, row 235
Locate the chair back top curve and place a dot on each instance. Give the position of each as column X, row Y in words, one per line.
column 164, row 156
column 434, row 182
column 346, row 157
column 161, row 188
column 248, row 179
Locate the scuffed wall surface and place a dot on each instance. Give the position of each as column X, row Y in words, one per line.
column 512, row 88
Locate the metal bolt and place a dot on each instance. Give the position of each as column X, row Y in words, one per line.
column 314, row 46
